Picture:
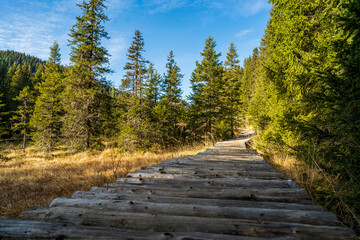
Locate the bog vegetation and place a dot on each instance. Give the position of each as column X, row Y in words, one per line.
column 300, row 91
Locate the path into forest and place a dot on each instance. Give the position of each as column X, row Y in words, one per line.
column 225, row 192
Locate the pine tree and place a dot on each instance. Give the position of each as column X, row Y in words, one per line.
column 20, row 79
column 152, row 86
column 46, row 119
column 2, row 123
column 170, row 109
column 231, row 95
column 55, row 56
column 136, row 67
column 83, row 99
column 171, row 86
column 206, row 84
column 21, row 119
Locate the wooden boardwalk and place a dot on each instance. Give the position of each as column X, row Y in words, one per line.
column 226, row 192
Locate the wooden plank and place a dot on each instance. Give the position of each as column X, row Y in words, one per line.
column 215, row 163
column 275, row 194
column 203, row 169
column 208, row 174
column 206, row 191
column 223, row 182
column 242, row 153
column 207, row 186
column 256, row 214
column 308, row 206
column 191, row 161
column 24, row 229
column 164, row 223
column 239, row 158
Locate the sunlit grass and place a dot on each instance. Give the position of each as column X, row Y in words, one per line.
column 36, row 178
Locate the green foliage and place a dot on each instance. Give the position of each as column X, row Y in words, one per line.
column 305, row 95
column 169, row 112
column 10, row 58
column 136, row 67
column 231, row 95
column 152, row 86
column 136, row 130
column 21, row 119
column 46, row 119
column 207, row 84
column 83, row 100
column 55, row 56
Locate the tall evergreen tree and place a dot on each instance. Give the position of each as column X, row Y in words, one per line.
column 55, row 56
column 21, row 119
column 83, row 98
column 20, row 79
column 46, row 119
column 2, row 113
column 206, row 81
column 152, row 86
column 135, row 67
column 170, row 109
column 231, row 95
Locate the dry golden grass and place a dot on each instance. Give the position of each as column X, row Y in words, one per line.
column 35, row 179
column 291, row 167
column 304, row 174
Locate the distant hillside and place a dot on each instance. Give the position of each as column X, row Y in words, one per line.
column 8, row 58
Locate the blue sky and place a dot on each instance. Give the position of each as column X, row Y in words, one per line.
column 31, row 26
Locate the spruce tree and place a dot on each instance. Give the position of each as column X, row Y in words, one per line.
column 170, row 109
column 55, row 56
column 83, row 99
column 20, row 79
column 206, row 84
column 21, row 119
column 46, row 119
column 2, row 123
column 135, row 67
column 152, row 86
column 231, row 95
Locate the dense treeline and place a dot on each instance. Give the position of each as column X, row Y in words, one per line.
column 303, row 94
column 17, row 71
column 10, row 58
column 75, row 105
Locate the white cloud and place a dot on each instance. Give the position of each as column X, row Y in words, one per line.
column 243, row 33
column 117, row 47
column 234, row 8
column 253, row 7
column 161, row 6
column 34, row 30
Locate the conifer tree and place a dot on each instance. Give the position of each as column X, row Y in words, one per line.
column 170, row 109
column 152, row 86
column 55, row 56
column 21, row 119
column 82, row 96
column 20, row 79
column 231, row 95
column 2, row 113
column 171, row 85
column 46, row 119
column 206, row 84
column 135, row 67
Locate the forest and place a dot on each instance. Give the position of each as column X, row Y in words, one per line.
column 299, row 90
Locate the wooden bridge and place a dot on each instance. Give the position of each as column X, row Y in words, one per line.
column 226, row 192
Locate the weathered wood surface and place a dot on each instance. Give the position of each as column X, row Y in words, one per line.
column 225, row 192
